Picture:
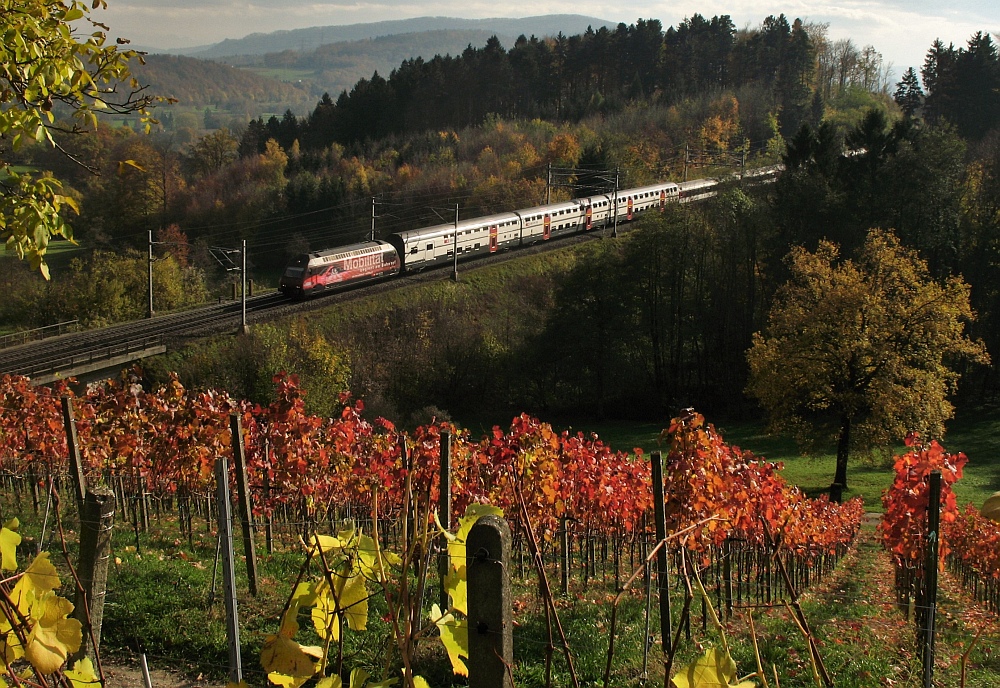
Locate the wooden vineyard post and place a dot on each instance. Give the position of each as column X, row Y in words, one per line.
column 96, row 521
column 662, row 561
column 444, row 513
column 491, row 633
column 243, row 495
column 75, row 464
column 228, row 568
column 931, row 578
column 564, row 556
column 268, row 506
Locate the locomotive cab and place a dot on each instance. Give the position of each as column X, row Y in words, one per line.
column 294, row 276
column 337, row 268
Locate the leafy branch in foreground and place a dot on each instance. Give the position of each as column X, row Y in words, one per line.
column 36, row 634
column 336, row 599
column 46, row 62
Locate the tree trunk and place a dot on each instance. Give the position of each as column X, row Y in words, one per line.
column 843, row 445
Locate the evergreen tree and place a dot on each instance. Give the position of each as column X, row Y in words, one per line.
column 909, row 96
column 963, row 86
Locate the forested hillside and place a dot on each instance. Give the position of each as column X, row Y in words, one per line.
column 783, row 72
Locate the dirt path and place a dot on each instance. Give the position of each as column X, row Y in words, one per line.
column 123, row 676
column 866, row 579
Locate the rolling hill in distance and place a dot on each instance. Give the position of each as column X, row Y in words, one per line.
column 303, row 40
column 271, row 72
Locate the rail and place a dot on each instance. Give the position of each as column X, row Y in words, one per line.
column 96, row 355
column 25, row 336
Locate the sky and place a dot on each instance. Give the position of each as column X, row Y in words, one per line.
column 902, row 30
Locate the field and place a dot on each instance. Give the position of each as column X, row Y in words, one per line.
column 163, row 600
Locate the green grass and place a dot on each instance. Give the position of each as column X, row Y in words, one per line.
column 58, row 254
column 975, row 432
column 287, row 75
column 158, row 603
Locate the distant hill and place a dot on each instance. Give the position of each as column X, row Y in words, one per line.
column 303, row 40
column 204, row 83
column 336, row 67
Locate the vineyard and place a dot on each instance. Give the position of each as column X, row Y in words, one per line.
column 734, row 538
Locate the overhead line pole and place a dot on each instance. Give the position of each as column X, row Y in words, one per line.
column 614, row 232
column 149, row 314
column 243, row 274
column 454, row 273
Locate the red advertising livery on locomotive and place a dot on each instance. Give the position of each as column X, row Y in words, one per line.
column 311, row 273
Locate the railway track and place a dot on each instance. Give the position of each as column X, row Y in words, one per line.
column 78, row 353
column 47, row 359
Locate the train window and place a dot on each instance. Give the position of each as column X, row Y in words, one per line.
column 294, row 272
column 430, row 247
column 414, row 249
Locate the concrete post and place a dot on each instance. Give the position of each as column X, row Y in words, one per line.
column 491, row 638
column 444, row 513
column 96, row 522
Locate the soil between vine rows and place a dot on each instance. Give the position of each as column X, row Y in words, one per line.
column 124, row 676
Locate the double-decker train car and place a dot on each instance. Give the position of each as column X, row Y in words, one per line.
column 311, row 273
column 429, row 246
column 418, row 249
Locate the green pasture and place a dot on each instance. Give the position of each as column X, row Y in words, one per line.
column 974, row 432
column 287, row 75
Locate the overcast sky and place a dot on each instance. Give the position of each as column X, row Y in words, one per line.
column 902, row 30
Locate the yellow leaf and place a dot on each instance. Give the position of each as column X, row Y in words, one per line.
column 9, row 540
column 354, row 602
column 714, row 669
column 286, row 681
column 330, row 682
column 82, row 674
column 324, row 616
column 359, row 677
column 10, row 649
column 53, row 637
column 455, row 637
column 328, row 543
column 368, row 556
column 282, row 655
column 41, row 577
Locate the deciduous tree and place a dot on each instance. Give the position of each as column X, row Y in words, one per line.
column 46, row 64
column 861, row 351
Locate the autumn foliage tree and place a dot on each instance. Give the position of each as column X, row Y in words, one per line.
column 861, row 351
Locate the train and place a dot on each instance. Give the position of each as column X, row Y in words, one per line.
column 418, row 249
